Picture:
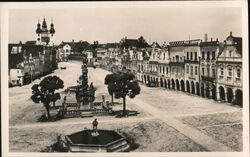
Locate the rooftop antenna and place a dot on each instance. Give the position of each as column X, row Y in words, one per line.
column 51, row 19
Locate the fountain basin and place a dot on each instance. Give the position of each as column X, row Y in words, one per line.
column 106, row 141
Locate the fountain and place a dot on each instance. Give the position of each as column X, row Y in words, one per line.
column 96, row 141
column 84, row 106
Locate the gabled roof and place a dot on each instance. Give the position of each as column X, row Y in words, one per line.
column 238, row 44
column 156, row 45
column 137, row 43
column 75, row 46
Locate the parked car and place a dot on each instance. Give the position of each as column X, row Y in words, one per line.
column 63, row 67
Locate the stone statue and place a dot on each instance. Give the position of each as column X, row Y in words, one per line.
column 95, row 123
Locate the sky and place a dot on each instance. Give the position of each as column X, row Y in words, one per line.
column 161, row 24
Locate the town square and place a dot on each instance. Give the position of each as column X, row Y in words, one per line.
column 124, row 80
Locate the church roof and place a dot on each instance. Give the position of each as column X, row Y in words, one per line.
column 44, row 26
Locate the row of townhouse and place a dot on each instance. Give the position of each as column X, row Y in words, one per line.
column 28, row 62
column 65, row 49
column 208, row 68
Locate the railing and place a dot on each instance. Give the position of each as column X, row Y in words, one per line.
column 192, row 61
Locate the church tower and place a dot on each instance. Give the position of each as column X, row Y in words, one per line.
column 45, row 36
column 38, row 32
column 52, row 33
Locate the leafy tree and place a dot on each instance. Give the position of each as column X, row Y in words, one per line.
column 122, row 84
column 110, row 81
column 45, row 91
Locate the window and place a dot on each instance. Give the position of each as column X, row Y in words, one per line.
column 191, row 55
column 230, row 53
column 187, row 69
column 208, row 55
column 208, row 72
column 213, row 72
column 213, row 55
column 238, row 73
column 195, row 56
column 222, row 71
column 163, row 70
column 203, row 55
column 160, row 69
column 202, row 71
column 196, row 70
column 187, row 55
column 177, row 58
column 191, row 70
column 173, row 59
column 230, row 71
column 167, row 70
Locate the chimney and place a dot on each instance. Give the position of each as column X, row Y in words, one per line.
column 217, row 39
column 211, row 39
column 72, row 40
column 206, row 37
column 231, row 34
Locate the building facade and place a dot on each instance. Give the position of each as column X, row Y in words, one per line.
column 210, row 69
column 229, row 71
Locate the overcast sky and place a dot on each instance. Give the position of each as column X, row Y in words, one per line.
column 112, row 24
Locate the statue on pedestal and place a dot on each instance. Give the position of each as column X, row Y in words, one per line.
column 95, row 132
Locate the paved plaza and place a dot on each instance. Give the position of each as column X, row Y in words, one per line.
column 187, row 122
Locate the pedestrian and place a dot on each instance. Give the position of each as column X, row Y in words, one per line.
column 95, row 123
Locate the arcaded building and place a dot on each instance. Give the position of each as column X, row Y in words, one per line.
column 229, row 71
column 208, row 67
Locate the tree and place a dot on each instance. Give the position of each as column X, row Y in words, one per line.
column 110, row 81
column 45, row 91
column 122, row 84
